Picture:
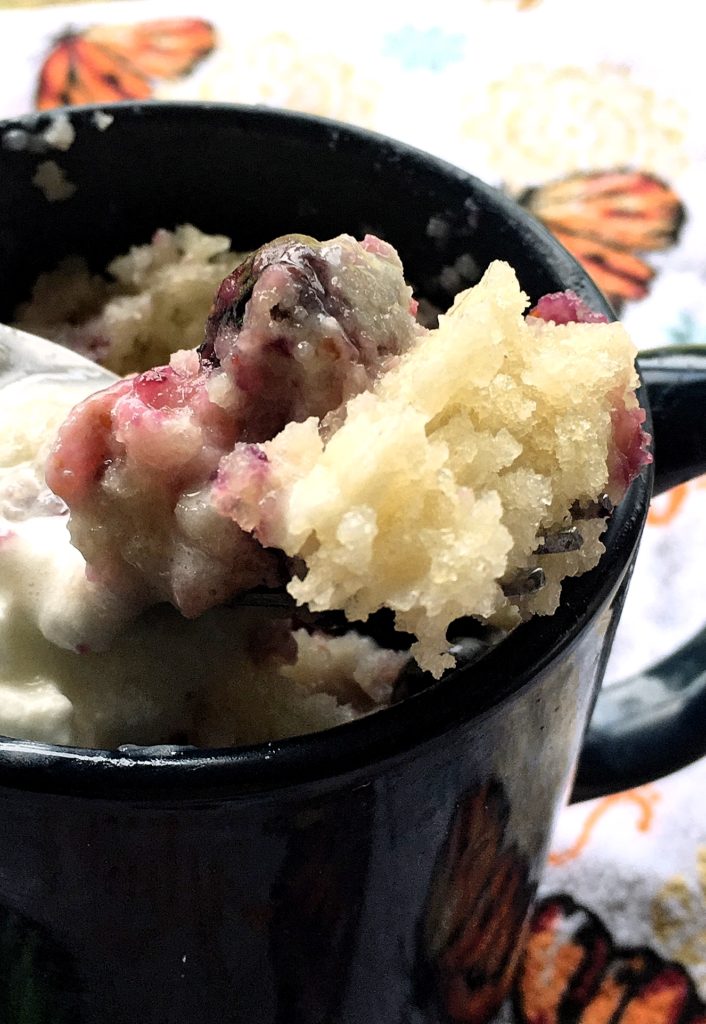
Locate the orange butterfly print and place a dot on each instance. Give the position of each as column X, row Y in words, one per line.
column 106, row 63
column 476, row 914
column 573, row 973
column 607, row 220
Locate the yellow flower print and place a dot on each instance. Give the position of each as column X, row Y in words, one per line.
column 278, row 70
column 539, row 123
column 679, row 919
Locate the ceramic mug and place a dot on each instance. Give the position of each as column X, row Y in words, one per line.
column 382, row 872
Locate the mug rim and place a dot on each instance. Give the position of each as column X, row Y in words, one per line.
column 180, row 772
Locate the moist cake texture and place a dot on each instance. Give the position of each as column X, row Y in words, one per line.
column 320, row 444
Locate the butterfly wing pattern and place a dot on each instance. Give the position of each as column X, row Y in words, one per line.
column 476, row 915
column 573, row 973
column 106, row 63
column 607, row 220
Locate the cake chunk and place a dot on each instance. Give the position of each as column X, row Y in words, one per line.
column 295, row 331
column 481, row 461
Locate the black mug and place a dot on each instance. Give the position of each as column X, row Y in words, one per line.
column 382, row 872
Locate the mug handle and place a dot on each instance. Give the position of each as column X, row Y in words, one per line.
column 655, row 722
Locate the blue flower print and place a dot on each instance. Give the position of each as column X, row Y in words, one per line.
column 428, row 49
column 687, row 330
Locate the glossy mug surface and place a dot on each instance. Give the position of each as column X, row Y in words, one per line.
column 379, row 873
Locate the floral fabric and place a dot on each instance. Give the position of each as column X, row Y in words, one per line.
column 589, row 113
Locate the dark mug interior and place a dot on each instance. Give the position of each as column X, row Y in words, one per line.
column 310, row 880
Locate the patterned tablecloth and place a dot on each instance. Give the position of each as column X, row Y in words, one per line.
column 589, row 112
